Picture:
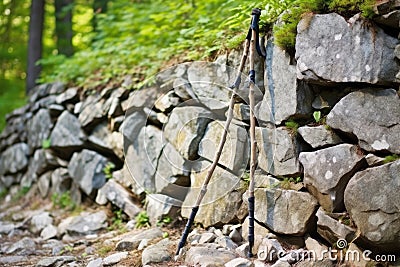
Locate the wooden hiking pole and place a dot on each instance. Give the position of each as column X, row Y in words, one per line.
column 251, row 40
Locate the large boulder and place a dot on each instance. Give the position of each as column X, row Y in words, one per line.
column 327, row 172
column 142, row 157
column 91, row 112
column 159, row 206
column 185, row 128
column 285, row 96
column 172, row 176
column 222, row 201
column 372, row 200
column 39, row 128
column 14, row 159
column 131, row 126
column 355, row 52
column 373, row 116
column 86, row 169
column 235, row 154
column 285, row 211
column 278, row 151
column 67, row 135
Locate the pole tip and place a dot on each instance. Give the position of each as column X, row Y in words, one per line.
column 256, row 11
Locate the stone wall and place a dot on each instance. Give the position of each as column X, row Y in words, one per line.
column 328, row 177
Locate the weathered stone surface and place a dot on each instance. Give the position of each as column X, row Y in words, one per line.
column 316, row 247
column 270, row 250
column 40, row 221
column 91, row 112
column 344, row 44
column 372, row 116
column 120, row 197
column 239, row 262
column 60, row 181
column 95, row 263
column 14, row 159
column 319, row 136
column 186, row 127
column 43, row 103
column 156, row 253
column 39, row 128
column 235, row 154
column 48, row 232
column 373, row 160
column 86, row 168
column 285, row 96
column 44, row 160
column 138, row 99
column 44, row 184
column 172, row 176
column 372, row 199
column 167, row 102
column 141, row 158
column 241, row 112
column 331, row 229
column 226, row 242
column 131, row 127
column 55, row 261
column 183, row 89
column 159, row 205
column 265, row 180
column 114, row 258
column 130, row 242
column 223, row 198
column 208, row 257
column 285, row 211
column 6, row 228
column 25, row 243
column 67, row 135
column 327, row 172
column 69, row 96
column 87, row 223
column 278, row 151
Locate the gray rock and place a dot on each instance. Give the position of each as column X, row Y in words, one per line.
column 319, row 136
column 69, row 96
column 226, row 242
column 235, row 155
column 331, row 229
column 120, row 197
column 172, row 176
column 43, row 103
column 167, row 101
column 223, row 198
column 270, row 250
column 278, row 151
column 241, row 112
column 142, row 157
column 55, row 110
column 116, row 143
column 207, row 238
column 265, row 180
column 345, row 44
column 40, row 221
column 44, row 160
column 156, row 253
column 12, row 260
column 48, row 232
column 208, row 257
column 159, row 205
column 14, row 159
column 39, row 128
column 372, row 116
column 6, row 228
column 235, row 235
column 132, row 242
column 280, row 263
column 287, row 211
column 67, row 135
column 316, row 247
column 89, row 176
column 25, row 243
column 373, row 160
column 139, row 99
column 376, row 212
column 87, row 223
column 60, row 181
column 239, row 262
column 99, row 138
column 95, row 263
column 92, row 112
column 44, row 183
column 183, row 89
column 284, row 96
column 186, row 127
column 327, row 172
column 55, row 261
column 131, row 127
column 115, row 258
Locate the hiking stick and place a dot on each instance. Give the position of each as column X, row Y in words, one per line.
column 211, row 170
column 254, row 44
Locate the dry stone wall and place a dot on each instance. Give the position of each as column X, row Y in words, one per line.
column 159, row 141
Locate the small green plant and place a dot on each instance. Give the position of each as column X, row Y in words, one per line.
column 165, row 235
column 289, row 182
column 317, row 116
column 63, row 201
column 391, row 158
column 164, row 221
column 46, row 143
column 246, row 178
column 103, row 250
column 22, row 192
column 117, row 221
column 108, row 169
column 3, row 192
column 142, row 220
column 292, row 126
column 66, row 249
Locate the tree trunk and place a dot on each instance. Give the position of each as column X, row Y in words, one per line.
column 64, row 31
column 99, row 6
column 34, row 43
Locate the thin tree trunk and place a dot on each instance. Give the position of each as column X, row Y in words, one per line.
column 99, row 6
column 35, row 43
column 64, row 31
